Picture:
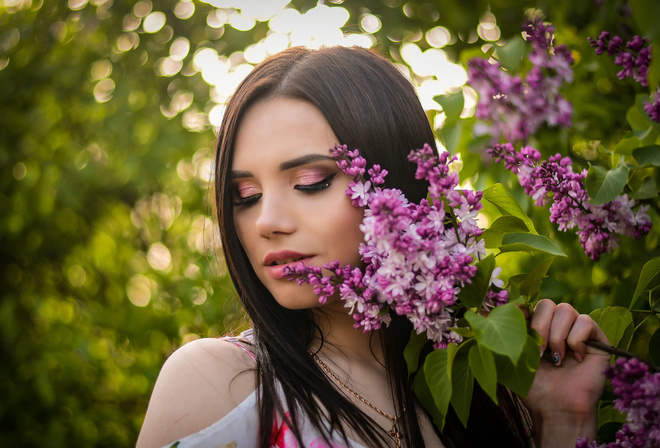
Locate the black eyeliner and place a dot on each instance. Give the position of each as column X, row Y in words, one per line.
column 318, row 186
column 247, row 200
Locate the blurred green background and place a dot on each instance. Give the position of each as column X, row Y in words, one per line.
column 109, row 256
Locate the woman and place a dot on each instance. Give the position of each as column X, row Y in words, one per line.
column 281, row 200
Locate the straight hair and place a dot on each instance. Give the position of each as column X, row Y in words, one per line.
column 370, row 105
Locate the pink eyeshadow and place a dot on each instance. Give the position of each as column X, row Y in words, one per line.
column 245, row 190
column 311, row 176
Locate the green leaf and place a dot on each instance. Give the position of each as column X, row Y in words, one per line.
column 502, row 331
column 463, row 331
column 500, row 197
column 647, row 156
column 423, row 394
column 482, row 364
column 531, row 285
column 647, row 17
column 462, row 383
column 413, row 349
column 527, row 242
column 437, row 370
column 452, row 105
column 451, row 136
column 614, row 321
column 473, row 294
column 650, row 136
column 637, row 119
column 503, row 225
column 653, row 75
column 603, row 185
column 511, row 54
column 648, row 189
column 649, row 271
column 627, row 144
column 518, row 378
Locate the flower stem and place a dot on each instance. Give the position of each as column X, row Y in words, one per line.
column 612, row 350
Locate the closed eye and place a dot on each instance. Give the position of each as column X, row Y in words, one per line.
column 248, row 200
column 317, row 186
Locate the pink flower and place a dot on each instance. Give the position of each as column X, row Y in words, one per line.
column 417, row 256
column 283, row 437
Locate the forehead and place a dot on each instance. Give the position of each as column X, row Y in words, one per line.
column 280, row 129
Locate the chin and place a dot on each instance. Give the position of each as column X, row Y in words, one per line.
column 304, row 303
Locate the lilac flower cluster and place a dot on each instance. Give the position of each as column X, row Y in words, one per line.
column 517, row 108
column 639, row 398
column 634, row 57
column 417, row 257
column 597, row 225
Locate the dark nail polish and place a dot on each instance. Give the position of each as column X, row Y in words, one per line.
column 555, row 358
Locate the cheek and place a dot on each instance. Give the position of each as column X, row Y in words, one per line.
column 347, row 234
column 245, row 235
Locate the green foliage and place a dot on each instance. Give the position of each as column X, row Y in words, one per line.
column 500, row 331
column 507, row 205
column 109, row 256
column 528, row 242
column 437, row 374
column 603, row 185
column 648, row 278
column 473, row 294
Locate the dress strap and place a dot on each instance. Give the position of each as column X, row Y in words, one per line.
column 238, row 343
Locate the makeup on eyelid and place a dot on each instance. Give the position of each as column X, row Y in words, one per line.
column 306, row 177
column 311, row 176
column 245, row 190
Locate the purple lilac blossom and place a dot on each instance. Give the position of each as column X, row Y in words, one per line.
column 638, row 392
column 652, row 108
column 634, row 57
column 597, row 225
column 516, row 108
column 417, row 256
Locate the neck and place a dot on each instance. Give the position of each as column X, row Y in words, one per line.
column 340, row 337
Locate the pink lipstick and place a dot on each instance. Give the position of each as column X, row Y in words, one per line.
column 276, row 262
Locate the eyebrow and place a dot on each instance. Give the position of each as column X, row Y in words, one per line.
column 289, row 164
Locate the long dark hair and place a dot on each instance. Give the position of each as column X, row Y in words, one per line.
column 370, row 105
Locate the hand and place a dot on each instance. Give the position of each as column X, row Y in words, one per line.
column 564, row 396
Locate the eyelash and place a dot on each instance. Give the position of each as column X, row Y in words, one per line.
column 312, row 188
column 248, row 200
column 318, row 186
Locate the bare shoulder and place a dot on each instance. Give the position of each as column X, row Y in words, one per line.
column 199, row 384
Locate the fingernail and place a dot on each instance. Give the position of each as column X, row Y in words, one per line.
column 578, row 357
column 556, row 359
column 542, row 350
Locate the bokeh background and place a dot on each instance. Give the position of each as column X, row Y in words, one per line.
column 109, row 256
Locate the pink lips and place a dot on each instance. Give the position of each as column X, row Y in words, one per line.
column 277, row 271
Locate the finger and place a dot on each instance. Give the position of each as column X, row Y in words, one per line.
column 524, row 308
column 584, row 328
column 562, row 322
column 541, row 320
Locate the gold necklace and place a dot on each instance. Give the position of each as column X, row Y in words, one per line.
column 394, row 432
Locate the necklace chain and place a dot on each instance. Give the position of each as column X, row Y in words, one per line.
column 394, row 432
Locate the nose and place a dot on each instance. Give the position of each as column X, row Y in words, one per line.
column 275, row 216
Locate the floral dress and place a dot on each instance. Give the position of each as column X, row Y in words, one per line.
column 239, row 428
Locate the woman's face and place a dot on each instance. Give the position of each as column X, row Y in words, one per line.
column 289, row 196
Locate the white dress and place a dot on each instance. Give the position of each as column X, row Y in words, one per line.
column 239, row 428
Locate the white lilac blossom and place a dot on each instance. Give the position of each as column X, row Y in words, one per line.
column 516, row 108
column 598, row 226
column 634, row 58
column 638, row 391
column 417, row 257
